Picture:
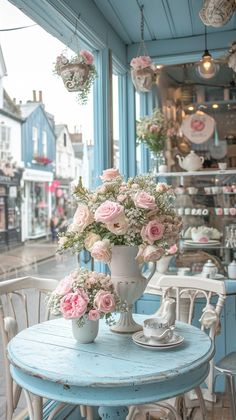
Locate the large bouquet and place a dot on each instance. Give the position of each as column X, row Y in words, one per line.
column 138, row 212
column 84, row 293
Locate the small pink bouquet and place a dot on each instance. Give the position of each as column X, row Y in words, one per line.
column 84, row 293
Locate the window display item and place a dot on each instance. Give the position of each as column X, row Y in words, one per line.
column 209, row 270
column 198, row 127
column 192, row 162
column 232, row 270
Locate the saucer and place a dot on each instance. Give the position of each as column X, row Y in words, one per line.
column 142, row 341
column 209, row 243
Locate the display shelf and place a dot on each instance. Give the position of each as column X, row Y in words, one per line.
column 197, row 173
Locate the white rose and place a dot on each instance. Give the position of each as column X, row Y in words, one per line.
column 90, row 240
column 62, row 241
column 74, row 228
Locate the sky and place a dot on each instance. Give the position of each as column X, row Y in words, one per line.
column 29, row 55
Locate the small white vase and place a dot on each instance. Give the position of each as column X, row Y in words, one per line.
column 87, row 332
column 129, row 284
column 163, row 264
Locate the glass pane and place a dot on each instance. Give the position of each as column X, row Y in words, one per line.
column 138, row 147
column 116, row 131
column 38, row 208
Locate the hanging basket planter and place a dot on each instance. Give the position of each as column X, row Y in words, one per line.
column 143, row 78
column 74, row 76
column 78, row 73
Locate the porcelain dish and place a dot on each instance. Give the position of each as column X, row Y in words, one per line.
column 141, row 340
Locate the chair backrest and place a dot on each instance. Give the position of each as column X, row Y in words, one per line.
column 187, row 290
column 22, row 303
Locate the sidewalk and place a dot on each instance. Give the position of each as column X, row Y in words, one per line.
column 26, row 255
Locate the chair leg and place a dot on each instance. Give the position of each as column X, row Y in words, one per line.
column 201, row 402
column 230, row 383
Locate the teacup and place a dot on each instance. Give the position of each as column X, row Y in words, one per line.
column 154, row 330
column 215, row 190
column 207, row 190
column 232, row 211
column 222, row 165
column 218, row 211
column 192, row 190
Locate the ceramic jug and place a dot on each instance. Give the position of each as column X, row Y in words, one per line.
column 232, row 270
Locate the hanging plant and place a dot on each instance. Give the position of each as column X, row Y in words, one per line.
column 143, row 72
column 217, row 13
column 78, row 73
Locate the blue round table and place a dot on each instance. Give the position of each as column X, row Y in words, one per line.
column 113, row 372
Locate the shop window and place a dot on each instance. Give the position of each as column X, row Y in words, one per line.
column 44, row 143
column 116, row 131
column 2, row 209
column 35, row 140
column 38, row 209
column 5, row 135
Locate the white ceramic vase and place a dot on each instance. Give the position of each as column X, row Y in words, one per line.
column 163, row 264
column 87, row 332
column 129, row 284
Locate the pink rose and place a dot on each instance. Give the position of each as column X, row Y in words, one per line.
column 108, row 211
column 109, row 174
column 65, row 286
column 90, row 240
column 88, row 57
column 162, row 187
column 172, row 250
column 101, row 251
column 144, row 200
column 104, row 301
column 74, row 305
column 119, row 226
column 141, row 62
column 93, row 315
column 152, row 253
column 153, row 128
column 82, row 217
column 153, row 231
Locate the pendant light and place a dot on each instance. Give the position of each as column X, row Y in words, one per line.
column 206, row 67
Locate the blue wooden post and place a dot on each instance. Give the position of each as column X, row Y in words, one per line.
column 102, row 115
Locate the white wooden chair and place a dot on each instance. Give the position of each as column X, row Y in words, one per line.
column 187, row 290
column 22, row 303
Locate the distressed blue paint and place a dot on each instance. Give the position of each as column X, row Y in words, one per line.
column 39, row 119
column 112, row 371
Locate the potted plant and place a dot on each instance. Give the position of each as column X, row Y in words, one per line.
column 78, row 73
column 42, row 160
column 143, row 73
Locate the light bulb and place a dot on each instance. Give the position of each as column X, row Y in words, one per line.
column 206, row 67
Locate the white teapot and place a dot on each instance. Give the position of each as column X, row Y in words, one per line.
column 191, row 162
